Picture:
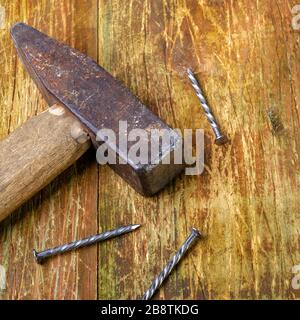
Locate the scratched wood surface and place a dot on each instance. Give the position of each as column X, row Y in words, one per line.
column 247, row 202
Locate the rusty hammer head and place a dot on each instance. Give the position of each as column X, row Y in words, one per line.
column 99, row 101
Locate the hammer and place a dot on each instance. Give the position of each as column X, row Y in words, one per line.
column 83, row 98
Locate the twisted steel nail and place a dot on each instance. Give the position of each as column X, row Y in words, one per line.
column 40, row 256
column 195, row 234
column 220, row 138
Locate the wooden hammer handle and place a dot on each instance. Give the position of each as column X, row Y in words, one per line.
column 34, row 154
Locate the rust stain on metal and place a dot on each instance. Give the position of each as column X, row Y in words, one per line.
column 97, row 99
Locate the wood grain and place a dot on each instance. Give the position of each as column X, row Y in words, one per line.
column 67, row 208
column 246, row 56
column 36, row 153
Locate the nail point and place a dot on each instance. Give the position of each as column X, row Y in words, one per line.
column 135, row 226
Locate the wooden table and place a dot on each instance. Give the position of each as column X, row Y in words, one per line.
column 247, row 202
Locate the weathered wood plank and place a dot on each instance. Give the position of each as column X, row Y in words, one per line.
column 247, row 202
column 67, row 209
